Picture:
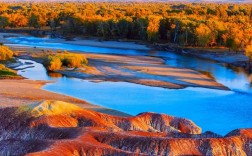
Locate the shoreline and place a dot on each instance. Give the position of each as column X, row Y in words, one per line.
column 15, row 93
column 238, row 60
column 92, row 42
column 216, row 54
column 114, row 64
column 213, row 54
column 114, row 44
column 143, row 70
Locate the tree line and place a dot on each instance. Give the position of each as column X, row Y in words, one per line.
column 186, row 24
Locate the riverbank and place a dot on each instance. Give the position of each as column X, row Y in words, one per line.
column 222, row 55
column 104, row 44
column 93, row 42
column 4, row 36
column 14, row 93
column 145, row 70
column 217, row 54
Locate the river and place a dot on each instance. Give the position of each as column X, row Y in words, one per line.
column 213, row 110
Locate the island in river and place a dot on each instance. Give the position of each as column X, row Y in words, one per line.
column 146, row 70
column 58, row 127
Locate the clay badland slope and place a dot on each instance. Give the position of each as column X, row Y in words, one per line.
column 53, row 127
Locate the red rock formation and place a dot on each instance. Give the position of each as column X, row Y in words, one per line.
column 53, row 128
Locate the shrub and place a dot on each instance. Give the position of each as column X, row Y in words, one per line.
column 7, row 72
column 53, row 63
column 57, row 60
column 5, row 53
column 74, row 60
column 2, row 67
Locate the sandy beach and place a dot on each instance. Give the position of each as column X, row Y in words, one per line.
column 14, row 93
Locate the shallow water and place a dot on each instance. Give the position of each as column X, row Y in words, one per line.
column 214, row 110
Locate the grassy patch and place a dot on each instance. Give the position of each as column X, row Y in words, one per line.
column 7, row 73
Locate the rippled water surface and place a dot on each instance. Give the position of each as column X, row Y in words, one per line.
column 214, row 110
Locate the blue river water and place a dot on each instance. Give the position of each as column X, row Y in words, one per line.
column 213, row 110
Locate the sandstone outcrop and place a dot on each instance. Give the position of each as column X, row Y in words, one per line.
column 53, row 127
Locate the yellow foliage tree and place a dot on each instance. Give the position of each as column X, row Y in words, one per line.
column 54, row 63
column 203, row 34
column 5, row 53
column 75, row 60
column 153, row 27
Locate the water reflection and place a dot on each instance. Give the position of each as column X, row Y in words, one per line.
column 55, row 75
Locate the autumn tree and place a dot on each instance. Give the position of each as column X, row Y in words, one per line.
column 5, row 53
column 185, row 24
column 153, row 27
column 221, row 12
column 17, row 20
column 72, row 25
column 203, row 34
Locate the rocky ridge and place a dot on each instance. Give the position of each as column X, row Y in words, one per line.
column 53, row 127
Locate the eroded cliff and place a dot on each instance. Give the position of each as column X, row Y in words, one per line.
column 53, row 127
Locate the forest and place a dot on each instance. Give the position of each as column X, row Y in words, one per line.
column 184, row 24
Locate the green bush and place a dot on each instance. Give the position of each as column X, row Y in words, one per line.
column 57, row 60
column 5, row 53
column 7, row 72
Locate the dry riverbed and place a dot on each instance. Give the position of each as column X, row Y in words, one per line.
column 145, row 70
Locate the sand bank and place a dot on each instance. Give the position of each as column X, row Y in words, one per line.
column 19, row 92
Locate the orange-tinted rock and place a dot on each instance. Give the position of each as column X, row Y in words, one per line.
column 55, row 128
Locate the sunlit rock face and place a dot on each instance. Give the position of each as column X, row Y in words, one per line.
column 53, row 127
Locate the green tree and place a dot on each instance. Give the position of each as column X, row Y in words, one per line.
column 248, row 53
column 103, row 29
column 230, row 43
column 3, row 22
column 123, row 28
column 33, row 21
